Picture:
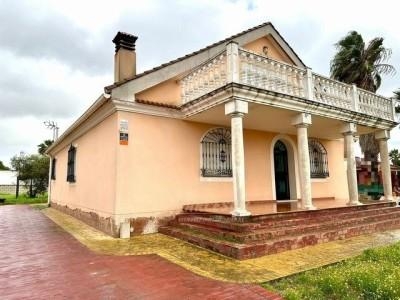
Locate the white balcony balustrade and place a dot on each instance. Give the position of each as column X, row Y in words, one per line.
column 287, row 80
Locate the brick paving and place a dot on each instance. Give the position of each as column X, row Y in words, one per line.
column 39, row 260
column 215, row 266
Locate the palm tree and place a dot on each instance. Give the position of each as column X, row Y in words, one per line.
column 397, row 97
column 42, row 147
column 362, row 64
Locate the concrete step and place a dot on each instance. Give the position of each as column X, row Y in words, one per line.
column 260, row 248
column 261, row 233
column 227, row 223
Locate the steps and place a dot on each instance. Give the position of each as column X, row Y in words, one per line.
column 254, row 236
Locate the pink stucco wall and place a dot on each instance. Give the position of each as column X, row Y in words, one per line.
column 94, row 189
column 159, row 171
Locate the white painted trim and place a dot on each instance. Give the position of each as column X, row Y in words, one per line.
column 86, row 115
column 319, row 180
column 146, row 109
column 79, row 129
column 216, row 179
column 269, row 98
column 294, row 180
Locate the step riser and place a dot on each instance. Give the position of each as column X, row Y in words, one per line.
column 252, row 251
column 250, row 227
column 271, row 234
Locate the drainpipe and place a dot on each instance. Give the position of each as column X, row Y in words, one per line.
column 49, row 183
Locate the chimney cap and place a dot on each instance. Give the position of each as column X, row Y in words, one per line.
column 124, row 40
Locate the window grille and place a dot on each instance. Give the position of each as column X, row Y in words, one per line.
column 71, row 164
column 318, row 159
column 216, row 153
column 53, row 169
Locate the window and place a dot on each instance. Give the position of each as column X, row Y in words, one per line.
column 318, row 159
column 53, row 169
column 216, row 153
column 71, row 164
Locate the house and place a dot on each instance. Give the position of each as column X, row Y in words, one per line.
column 239, row 122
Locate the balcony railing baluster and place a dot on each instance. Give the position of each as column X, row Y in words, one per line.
column 266, row 73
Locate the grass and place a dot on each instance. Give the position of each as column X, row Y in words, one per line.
column 23, row 199
column 373, row 275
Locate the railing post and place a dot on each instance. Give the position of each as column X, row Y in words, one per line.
column 309, row 85
column 393, row 101
column 354, row 98
column 232, row 57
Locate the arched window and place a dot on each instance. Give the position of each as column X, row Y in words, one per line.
column 216, row 153
column 318, row 159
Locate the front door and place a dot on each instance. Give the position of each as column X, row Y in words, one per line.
column 281, row 171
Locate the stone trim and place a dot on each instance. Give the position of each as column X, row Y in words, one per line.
column 104, row 224
column 138, row 225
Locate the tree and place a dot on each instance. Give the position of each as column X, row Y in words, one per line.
column 3, row 167
column 33, row 170
column 397, row 97
column 42, row 147
column 395, row 157
column 362, row 64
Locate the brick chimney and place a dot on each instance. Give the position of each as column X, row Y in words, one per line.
column 125, row 56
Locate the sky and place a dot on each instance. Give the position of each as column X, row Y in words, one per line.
column 57, row 56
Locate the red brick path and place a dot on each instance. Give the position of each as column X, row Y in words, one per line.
column 38, row 260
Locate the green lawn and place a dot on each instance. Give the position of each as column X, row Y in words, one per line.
column 373, row 275
column 23, row 199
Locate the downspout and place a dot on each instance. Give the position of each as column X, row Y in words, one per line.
column 49, row 184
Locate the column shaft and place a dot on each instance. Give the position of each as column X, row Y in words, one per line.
column 239, row 191
column 304, row 166
column 351, row 169
column 385, row 168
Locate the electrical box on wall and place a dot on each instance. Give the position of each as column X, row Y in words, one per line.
column 123, row 132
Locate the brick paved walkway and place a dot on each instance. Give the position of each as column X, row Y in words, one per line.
column 39, row 260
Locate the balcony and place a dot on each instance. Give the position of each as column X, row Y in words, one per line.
column 251, row 70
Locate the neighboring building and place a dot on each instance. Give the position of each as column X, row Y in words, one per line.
column 241, row 120
column 8, row 182
column 364, row 179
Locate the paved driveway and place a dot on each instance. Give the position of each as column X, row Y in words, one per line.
column 38, row 260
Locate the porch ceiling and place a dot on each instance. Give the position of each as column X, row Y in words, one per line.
column 268, row 118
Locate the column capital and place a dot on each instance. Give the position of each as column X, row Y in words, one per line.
column 382, row 135
column 349, row 129
column 236, row 107
column 302, row 120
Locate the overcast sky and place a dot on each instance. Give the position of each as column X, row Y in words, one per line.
column 56, row 56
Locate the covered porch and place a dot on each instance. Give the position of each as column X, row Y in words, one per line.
column 258, row 93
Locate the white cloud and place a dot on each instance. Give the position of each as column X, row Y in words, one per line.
column 56, row 56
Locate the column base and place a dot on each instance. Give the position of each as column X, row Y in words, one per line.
column 354, row 203
column 311, row 207
column 240, row 213
column 390, row 198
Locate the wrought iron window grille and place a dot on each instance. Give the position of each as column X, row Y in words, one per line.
column 71, row 164
column 216, row 153
column 318, row 159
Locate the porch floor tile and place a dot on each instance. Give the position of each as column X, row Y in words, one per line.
column 215, row 266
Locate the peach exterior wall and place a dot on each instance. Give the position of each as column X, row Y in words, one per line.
column 168, row 92
column 159, row 171
column 94, row 189
column 274, row 50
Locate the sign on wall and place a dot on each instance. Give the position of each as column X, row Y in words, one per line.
column 123, row 132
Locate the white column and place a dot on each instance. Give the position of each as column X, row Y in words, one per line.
column 302, row 121
column 236, row 109
column 233, row 64
column 382, row 137
column 348, row 131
